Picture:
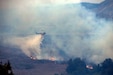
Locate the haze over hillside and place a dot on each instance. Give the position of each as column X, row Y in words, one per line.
column 82, row 30
column 66, row 34
column 103, row 10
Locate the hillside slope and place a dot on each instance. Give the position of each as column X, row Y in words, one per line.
column 42, row 69
column 102, row 10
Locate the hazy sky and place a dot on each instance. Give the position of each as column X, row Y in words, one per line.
column 5, row 3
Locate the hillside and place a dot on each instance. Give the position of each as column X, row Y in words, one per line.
column 23, row 65
column 26, row 66
column 102, row 10
column 42, row 69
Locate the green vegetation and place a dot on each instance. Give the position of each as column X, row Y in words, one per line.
column 5, row 69
column 79, row 67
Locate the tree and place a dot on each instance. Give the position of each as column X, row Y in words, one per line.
column 76, row 67
column 5, row 69
column 107, row 67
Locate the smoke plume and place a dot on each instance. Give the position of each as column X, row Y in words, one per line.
column 74, row 30
column 30, row 45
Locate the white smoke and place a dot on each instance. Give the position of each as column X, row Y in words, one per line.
column 30, row 45
column 76, row 31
